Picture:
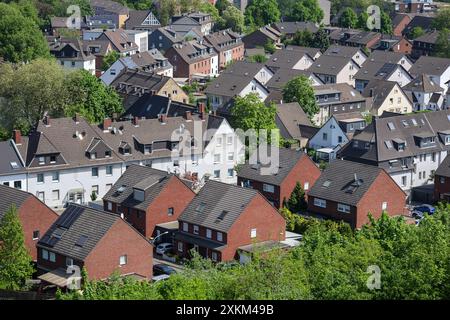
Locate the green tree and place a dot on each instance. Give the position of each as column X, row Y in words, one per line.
column 221, row 5
column 207, row 7
column 442, row 19
column 262, row 12
column 259, row 58
column 299, row 90
column 362, row 20
column 270, row 47
column 234, row 19
column 90, row 98
column 250, row 112
column 109, row 59
column 386, row 23
column 348, row 19
column 443, row 44
column 20, row 37
column 15, row 261
column 321, row 39
column 297, row 202
column 416, row 32
column 303, row 38
column 307, row 10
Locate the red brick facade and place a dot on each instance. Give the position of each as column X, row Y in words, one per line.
column 183, row 69
column 441, row 188
column 398, row 29
column 237, row 54
column 403, row 46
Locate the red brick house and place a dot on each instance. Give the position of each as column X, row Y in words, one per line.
column 147, row 197
column 348, row 191
column 442, row 181
column 224, row 218
column 36, row 218
column 228, row 45
column 295, row 166
column 100, row 241
column 399, row 23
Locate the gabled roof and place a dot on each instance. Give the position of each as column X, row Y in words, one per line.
column 379, row 91
column 424, row 22
column 387, row 57
column 423, row 83
column 151, row 106
column 292, row 116
column 430, row 65
column 282, row 76
column 11, row 196
column 137, row 17
column 371, row 70
column 286, row 59
column 430, row 37
column 218, row 205
column 444, row 168
column 111, row 6
column 11, row 162
column 120, row 40
column 224, row 40
column 345, row 182
column 347, row 92
column 194, row 51
column 343, row 51
column 311, row 51
column 291, row 27
column 331, row 65
column 363, row 38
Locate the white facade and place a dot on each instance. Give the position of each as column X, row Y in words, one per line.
column 140, row 38
column 214, row 65
column 18, row 181
column 329, row 136
column 401, row 76
column 304, row 63
column 88, row 65
column 264, row 75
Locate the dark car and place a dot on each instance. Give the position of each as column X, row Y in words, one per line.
column 163, row 269
column 425, row 208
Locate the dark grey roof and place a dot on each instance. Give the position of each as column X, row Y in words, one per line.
column 151, row 106
column 419, row 21
column 288, row 158
column 363, row 38
column 379, row 91
column 291, row 116
column 10, row 196
column 337, row 182
column 423, row 83
column 343, row 51
column 286, row 59
column 387, row 57
column 430, row 37
column 444, row 168
column 376, row 70
column 331, row 65
column 137, row 17
column 211, row 202
column 282, row 76
column 11, row 163
column 430, row 65
column 224, row 40
column 311, row 51
column 111, row 6
column 291, row 27
column 78, row 225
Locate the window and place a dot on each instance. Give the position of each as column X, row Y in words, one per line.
column 219, row 142
column 230, row 173
column 55, row 176
column 384, row 206
column 185, row 227
column 107, row 154
column 41, row 160
column 230, row 140
column 109, row 170
column 306, row 186
column 44, row 254
column 433, row 157
column 214, row 256
column 123, row 260
column 108, row 186
column 55, row 195
column 404, row 181
column 95, row 190
column 230, row 156
column 36, row 234
column 170, row 211
column 268, row 188
column 195, row 229
column 94, row 172
column 208, row 233
column 18, row 184
column 40, row 178
column 52, row 159
column 339, row 139
column 109, row 206
column 147, row 149
column 6, row 184
column 217, row 158
column 69, row 262
column 219, row 236
column 320, row 203
column 52, row 257
column 324, row 136
column 442, row 179
column 343, row 208
column 253, row 233
column 41, row 195
column 216, row 174
column 180, row 246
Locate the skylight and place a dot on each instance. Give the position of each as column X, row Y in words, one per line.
column 14, row 165
column 388, row 144
column 222, row 215
column 391, row 126
column 200, row 207
column 414, row 122
column 405, row 123
column 81, row 241
column 327, row 183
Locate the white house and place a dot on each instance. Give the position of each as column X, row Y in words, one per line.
column 426, row 95
column 438, row 69
column 328, row 140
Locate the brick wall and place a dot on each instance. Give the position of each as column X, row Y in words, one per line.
column 441, row 188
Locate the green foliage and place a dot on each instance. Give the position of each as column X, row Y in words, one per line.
column 300, row 90
column 20, row 37
column 442, row 19
column 362, row 20
column 233, row 18
column 269, row 47
column 368, row 118
column 221, row 5
column 297, row 201
column 93, row 196
column 348, row 19
column 323, row 165
column 386, row 23
column 443, row 44
column 15, row 261
column 259, row 58
column 307, row 10
column 261, row 12
column 109, row 59
column 416, row 32
column 306, row 38
column 207, row 7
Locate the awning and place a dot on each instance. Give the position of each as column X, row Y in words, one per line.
column 59, row 277
column 201, row 242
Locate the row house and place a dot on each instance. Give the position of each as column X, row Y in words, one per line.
column 438, row 69
column 425, row 22
column 425, row 94
column 276, row 181
column 223, row 220
column 101, row 242
column 119, row 39
column 60, row 25
column 145, row 198
column 71, row 54
column 34, row 216
column 399, row 23
column 391, row 57
column 425, row 45
column 200, row 20
column 373, row 70
column 69, row 160
column 228, row 45
column 442, row 180
column 150, row 61
column 164, row 38
column 289, row 59
column 335, row 69
column 107, row 13
column 354, row 37
column 288, row 29
column 349, row 191
column 193, row 58
column 409, row 147
column 354, row 53
column 261, row 37
column 312, row 52
column 391, row 43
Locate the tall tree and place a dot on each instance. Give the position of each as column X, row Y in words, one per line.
column 443, row 43
column 321, row 39
column 15, row 261
column 348, row 19
column 234, row 19
column 307, row 10
column 299, row 90
column 303, row 38
column 362, row 20
column 386, row 23
column 262, row 12
column 442, row 19
column 416, row 32
column 297, row 202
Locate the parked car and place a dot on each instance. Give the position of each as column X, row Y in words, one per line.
column 425, row 208
column 418, row 215
column 163, row 269
column 160, row 277
column 164, row 247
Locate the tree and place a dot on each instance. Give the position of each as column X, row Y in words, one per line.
column 207, row 7
column 167, row 9
column 348, row 19
column 109, row 59
column 250, row 112
column 262, row 12
column 303, row 38
column 443, row 44
column 386, row 23
column 297, row 202
column 299, row 90
column 234, row 19
column 286, row 8
column 29, row 91
column 20, row 37
column 269, row 47
column 416, row 32
column 321, row 39
column 15, row 261
column 362, row 20
column 442, row 19
column 221, row 5
column 307, row 10
column 90, row 98
column 259, row 58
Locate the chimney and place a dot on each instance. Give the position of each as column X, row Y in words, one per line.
column 135, row 121
column 76, row 118
column 162, row 118
column 17, row 136
column 202, row 110
column 188, row 116
column 107, row 123
column 47, row 120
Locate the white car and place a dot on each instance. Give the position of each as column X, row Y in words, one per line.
column 164, row 247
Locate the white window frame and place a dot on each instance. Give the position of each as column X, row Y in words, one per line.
column 384, row 205
column 185, row 227
column 253, row 233
column 209, row 233
column 321, row 203
column 345, row 208
column 123, row 260
column 268, row 188
column 219, row 236
column 196, row 229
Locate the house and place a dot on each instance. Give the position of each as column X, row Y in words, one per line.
column 351, row 123
column 262, row 36
column 107, row 13
column 438, row 69
column 338, row 98
column 349, row 191
column 97, row 240
column 193, row 58
column 425, row 45
column 294, row 166
column 60, row 25
column 145, row 198
column 281, row 77
column 140, row 37
column 399, row 23
column 239, row 79
column 442, row 179
column 312, row 52
column 164, row 38
column 132, row 84
column 228, row 45
column 354, row 53
column 289, row 59
column 12, row 166
column 425, row 94
column 391, row 57
column 365, row 39
column 223, row 218
column 422, row 21
column 35, row 217
column 394, row 44
column 149, row 61
column 199, row 20
column 71, row 54
column 99, row 48
column 335, row 69
column 386, row 96
column 119, row 40
column 373, row 70
column 68, row 160
column 409, row 147
column 328, row 140
column 294, row 123
column 289, row 28
column 340, row 35
column 142, row 20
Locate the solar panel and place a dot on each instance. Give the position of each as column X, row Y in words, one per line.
column 58, row 233
column 69, row 216
column 81, row 241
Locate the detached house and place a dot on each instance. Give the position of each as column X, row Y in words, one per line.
column 335, row 69
column 35, row 217
column 199, row 20
column 147, row 197
column 425, row 94
column 228, row 45
column 438, row 69
column 223, row 220
column 99, row 241
column 71, row 54
column 289, row 28
column 107, row 13
column 294, row 166
column 425, row 44
column 348, row 191
column 262, row 36
column 289, row 59
column 442, row 180
column 387, row 71
column 142, row 20
column 399, row 23
column 391, row 57
column 354, row 53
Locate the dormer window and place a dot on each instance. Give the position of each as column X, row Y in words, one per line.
column 41, row 160
column 107, row 154
column 93, row 155
column 52, row 159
